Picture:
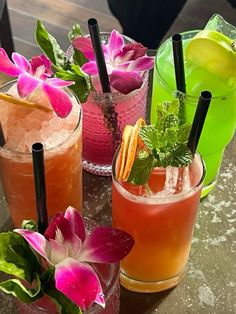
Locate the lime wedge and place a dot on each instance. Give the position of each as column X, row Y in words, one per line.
column 213, row 51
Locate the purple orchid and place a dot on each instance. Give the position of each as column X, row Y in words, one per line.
column 36, row 74
column 125, row 62
column 68, row 247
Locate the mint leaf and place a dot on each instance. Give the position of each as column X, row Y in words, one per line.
column 181, row 156
column 18, row 290
column 75, row 32
column 183, row 133
column 49, row 46
column 141, row 170
column 150, row 136
column 168, row 107
column 167, row 122
column 16, row 257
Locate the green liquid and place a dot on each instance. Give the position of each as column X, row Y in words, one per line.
column 220, row 123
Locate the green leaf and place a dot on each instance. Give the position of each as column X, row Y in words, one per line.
column 30, row 225
column 18, row 290
column 16, row 257
column 82, row 85
column 168, row 107
column 49, row 46
column 167, row 122
column 149, row 135
column 75, row 32
column 79, row 58
column 141, row 170
column 65, row 305
column 183, row 133
column 181, row 156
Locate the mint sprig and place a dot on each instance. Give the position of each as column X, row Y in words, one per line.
column 66, row 69
column 166, row 141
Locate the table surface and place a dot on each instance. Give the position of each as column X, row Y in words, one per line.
column 210, row 283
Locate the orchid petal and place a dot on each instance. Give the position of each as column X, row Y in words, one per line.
column 123, row 56
column 36, row 241
column 106, row 245
column 79, row 283
column 59, row 252
column 56, row 82
column 21, row 62
column 26, row 84
column 90, row 68
column 41, row 61
column 115, row 42
column 58, row 99
column 125, row 82
column 6, row 66
column 61, row 223
column 141, row 64
column 76, row 222
column 138, row 50
column 84, row 45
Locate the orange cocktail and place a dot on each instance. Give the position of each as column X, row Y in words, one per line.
column 62, row 143
column 161, row 223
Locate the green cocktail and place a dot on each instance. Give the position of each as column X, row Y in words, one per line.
column 210, row 64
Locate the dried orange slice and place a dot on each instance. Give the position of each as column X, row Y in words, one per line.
column 129, row 146
column 123, row 150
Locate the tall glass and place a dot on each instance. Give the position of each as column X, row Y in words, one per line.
column 100, row 114
column 220, row 123
column 161, row 223
column 62, row 140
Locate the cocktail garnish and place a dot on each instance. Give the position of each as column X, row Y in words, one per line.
column 129, row 146
column 22, row 102
column 214, row 52
column 59, row 263
column 165, row 144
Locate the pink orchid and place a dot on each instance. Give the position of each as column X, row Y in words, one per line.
column 68, row 247
column 35, row 74
column 125, row 62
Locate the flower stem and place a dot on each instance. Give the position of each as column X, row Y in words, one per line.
column 24, row 103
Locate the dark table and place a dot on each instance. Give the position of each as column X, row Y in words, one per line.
column 210, row 284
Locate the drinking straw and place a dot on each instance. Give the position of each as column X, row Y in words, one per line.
column 179, row 71
column 2, row 137
column 198, row 121
column 108, row 107
column 178, row 62
column 39, row 184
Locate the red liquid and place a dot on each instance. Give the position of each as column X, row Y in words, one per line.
column 162, row 228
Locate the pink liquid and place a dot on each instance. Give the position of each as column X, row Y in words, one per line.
column 98, row 143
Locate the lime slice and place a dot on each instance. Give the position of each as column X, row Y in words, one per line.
column 213, row 51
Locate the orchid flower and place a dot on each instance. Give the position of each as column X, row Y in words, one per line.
column 36, row 74
column 68, row 247
column 125, row 62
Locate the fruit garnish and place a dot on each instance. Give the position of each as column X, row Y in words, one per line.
column 129, row 145
column 22, row 102
column 213, row 51
column 162, row 145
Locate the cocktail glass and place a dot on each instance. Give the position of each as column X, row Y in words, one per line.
column 63, row 157
column 109, row 278
column 101, row 111
column 220, row 123
column 161, row 223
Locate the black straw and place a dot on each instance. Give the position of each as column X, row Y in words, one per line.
column 97, row 47
column 40, row 188
column 2, row 137
column 108, row 107
column 178, row 62
column 198, row 121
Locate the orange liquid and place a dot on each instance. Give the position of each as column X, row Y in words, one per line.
column 162, row 231
column 63, row 174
